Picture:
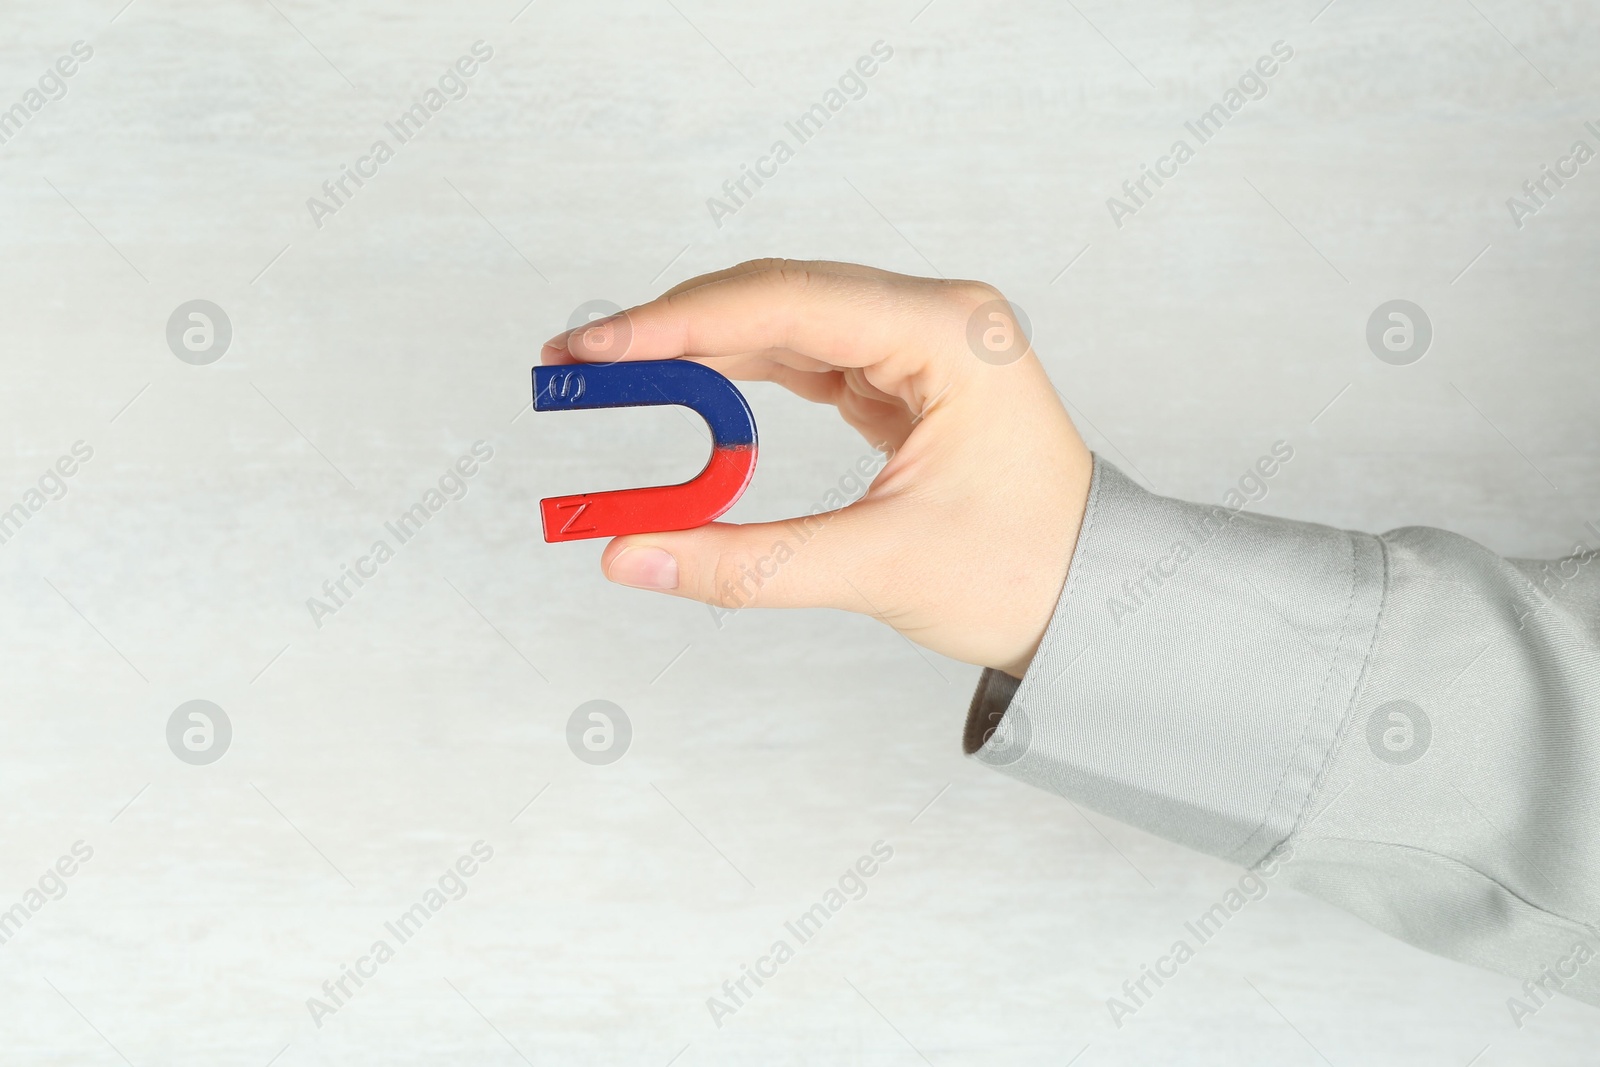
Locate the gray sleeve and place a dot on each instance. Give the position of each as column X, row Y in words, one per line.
column 1405, row 725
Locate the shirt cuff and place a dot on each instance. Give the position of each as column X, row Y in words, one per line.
column 1198, row 670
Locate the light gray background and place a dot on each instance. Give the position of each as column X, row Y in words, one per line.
column 372, row 352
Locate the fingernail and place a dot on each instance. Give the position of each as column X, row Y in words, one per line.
column 644, row 568
column 558, row 342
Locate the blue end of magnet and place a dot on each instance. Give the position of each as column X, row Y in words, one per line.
column 649, row 383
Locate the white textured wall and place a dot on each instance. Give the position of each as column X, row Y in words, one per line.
column 372, row 752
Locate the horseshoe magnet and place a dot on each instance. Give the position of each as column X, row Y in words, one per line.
column 652, row 508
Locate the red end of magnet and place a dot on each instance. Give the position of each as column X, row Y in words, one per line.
column 654, row 508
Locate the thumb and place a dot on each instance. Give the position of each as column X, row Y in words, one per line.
column 809, row 561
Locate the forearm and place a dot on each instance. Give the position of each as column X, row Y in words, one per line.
column 1214, row 677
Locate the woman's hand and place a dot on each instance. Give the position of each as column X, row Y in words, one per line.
column 963, row 540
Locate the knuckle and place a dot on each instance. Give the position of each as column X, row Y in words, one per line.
column 724, row 591
column 782, row 273
column 971, row 294
column 760, row 265
column 735, row 581
column 791, row 273
column 675, row 300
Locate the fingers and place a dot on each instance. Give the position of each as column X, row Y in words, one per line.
column 906, row 334
column 556, row 350
column 818, row 560
column 557, row 347
column 750, row 266
column 747, row 267
column 878, row 417
column 841, row 321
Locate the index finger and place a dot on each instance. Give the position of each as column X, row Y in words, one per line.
column 896, row 328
